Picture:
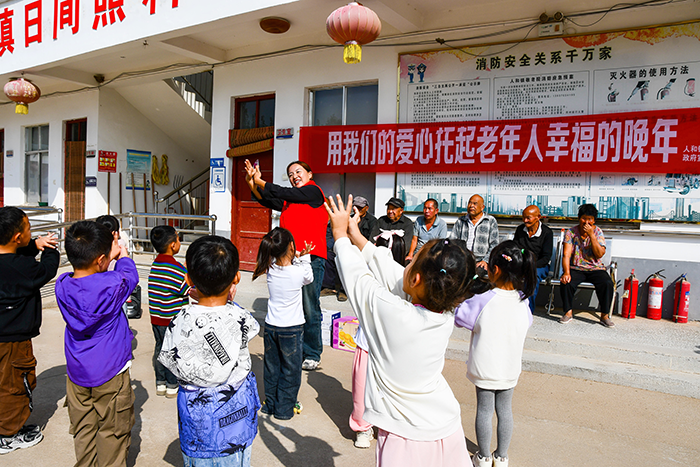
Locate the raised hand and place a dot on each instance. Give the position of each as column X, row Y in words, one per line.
column 339, row 215
column 47, row 241
column 308, row 247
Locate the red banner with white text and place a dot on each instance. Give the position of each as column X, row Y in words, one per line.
column 663, row 141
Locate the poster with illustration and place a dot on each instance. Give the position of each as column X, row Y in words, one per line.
column 613, row 73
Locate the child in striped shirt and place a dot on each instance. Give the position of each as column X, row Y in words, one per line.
column 167, row 294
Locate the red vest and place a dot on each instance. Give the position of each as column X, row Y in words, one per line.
column 306, row 224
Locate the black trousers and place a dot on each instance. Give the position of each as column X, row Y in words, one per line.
column 604, row 288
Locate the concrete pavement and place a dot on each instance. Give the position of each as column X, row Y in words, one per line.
column 559, row 421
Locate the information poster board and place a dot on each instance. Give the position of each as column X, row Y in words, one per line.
column 138, row 163
column 630, row 71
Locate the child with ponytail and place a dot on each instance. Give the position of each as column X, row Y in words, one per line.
column 284, row 322
column 407, row 317
column 499, row 319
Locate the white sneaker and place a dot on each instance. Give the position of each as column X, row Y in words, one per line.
column 363, row 439
column 28, row 436
column 310, row 365
column 171, row 393
column 160, row 390
column 479, row 461
column 500, row 461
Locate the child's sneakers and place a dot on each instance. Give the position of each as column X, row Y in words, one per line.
column 310, row 365
column 171, row 393
column 27, row 437
column 480, row 461
column 298, row 408
column 363, row 439
column 500, row 461
column 160, row 389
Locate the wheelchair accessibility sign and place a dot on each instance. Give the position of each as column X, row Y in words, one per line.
column 218, row 175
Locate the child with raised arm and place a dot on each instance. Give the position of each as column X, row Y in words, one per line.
column 206, row 348
column 284, row 322
column 499, row 320
column 168, row 292
column 22, row 278
column 98, row 344
column 407, row 317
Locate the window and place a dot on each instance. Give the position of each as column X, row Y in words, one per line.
column 36, row 147
column 346, row 105
column 255, row 112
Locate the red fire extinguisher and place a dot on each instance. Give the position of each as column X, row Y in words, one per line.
column 656, row 290
column 681, row 302
column 629, row 297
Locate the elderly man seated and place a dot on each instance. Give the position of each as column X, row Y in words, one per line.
column 533, row 235
column 584, row 247
column 427, row 227
column 396, row 221
column 478, row 229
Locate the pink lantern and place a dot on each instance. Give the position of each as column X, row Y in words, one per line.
column 23, row 92
column 353, row 25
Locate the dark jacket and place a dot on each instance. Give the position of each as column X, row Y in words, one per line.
column 367, row 224
column 541, row 245
column 21, row 279
column 404, row 223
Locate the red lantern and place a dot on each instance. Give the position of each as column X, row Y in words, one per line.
column 23, row 92
column 353, row 25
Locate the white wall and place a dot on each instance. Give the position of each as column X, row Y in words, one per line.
column 289, row 78
column 122, row 127
column 53, row 111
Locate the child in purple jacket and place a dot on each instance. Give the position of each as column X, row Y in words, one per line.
column 98, row 344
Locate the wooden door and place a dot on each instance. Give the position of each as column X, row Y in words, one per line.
column 250, row 221
column 75, row 181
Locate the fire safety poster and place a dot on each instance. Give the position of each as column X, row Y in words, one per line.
column 630, row 73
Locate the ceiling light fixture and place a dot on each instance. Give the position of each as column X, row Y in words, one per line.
column 274, row 25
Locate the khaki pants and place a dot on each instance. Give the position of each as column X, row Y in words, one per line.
column 16, row 362
column 101, row 419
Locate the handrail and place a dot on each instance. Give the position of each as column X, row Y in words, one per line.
column 181, row 185
column 184, row 195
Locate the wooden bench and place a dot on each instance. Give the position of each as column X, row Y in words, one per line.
column 556, row 269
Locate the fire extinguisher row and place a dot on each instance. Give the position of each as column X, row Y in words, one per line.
column 681, row 302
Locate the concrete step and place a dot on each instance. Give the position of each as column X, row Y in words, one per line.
column 654, row 355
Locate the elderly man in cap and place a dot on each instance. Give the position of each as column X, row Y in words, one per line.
column 394, row 221
column 533, row 235
column 367, row 220
column 478, row 229
column 427, row 227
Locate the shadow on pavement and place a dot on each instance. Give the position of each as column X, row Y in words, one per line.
column 308, row 450
column 50, row 388
column 173, row 455
column 141, row 396
column 335, row 400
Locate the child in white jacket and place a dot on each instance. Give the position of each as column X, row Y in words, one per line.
column 407, row 317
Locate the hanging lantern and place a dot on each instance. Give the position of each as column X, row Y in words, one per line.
column 353, row 25
column 23, row 92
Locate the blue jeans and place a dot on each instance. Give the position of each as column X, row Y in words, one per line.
column 541, row 274
column 313, row 345
column 237, row 459
column 163, row 375
column 282, row 374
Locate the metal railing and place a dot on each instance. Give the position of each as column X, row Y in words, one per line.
column 191, row 196
column 138, row 236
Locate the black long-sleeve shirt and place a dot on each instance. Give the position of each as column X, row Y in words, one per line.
column 274, row 196
column 541, row 245
column 21, row 279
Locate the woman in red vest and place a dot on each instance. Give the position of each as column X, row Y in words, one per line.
column 304, row 215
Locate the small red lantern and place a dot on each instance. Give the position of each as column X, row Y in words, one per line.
column 23, row 92
column 353, row 25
